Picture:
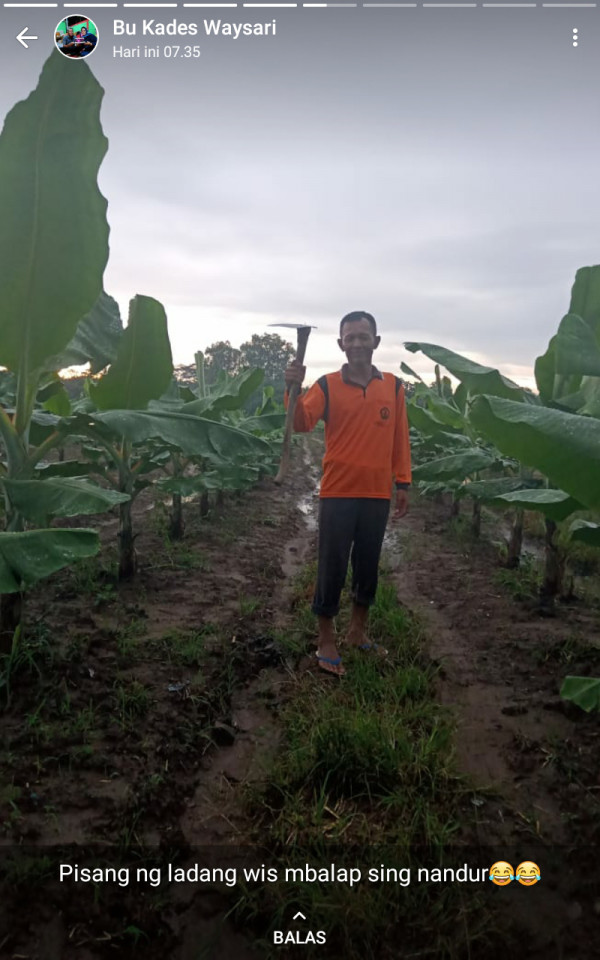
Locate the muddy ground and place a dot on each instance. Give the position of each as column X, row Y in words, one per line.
column 146, row 711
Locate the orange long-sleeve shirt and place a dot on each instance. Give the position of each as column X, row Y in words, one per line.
column 366, row 433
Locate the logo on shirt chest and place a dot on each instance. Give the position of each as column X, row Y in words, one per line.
column 384, row 413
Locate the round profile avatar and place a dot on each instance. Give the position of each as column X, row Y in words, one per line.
column 501, row 873
column 76, row 37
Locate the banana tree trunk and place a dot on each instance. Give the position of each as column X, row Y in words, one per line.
column 455, row 506
column 127, row 557
column 11, row 609
column 476, row 519
column 176, row 524
column 220, row 498
column 554, row 568
column 11, row 604
column 515, row 543
column 204, row 504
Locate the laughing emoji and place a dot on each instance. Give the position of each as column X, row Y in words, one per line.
column 501, row 873
column 528, row 873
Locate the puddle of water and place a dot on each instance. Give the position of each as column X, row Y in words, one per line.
column 307, row 504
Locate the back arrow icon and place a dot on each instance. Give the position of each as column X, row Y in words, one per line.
column 21, row 37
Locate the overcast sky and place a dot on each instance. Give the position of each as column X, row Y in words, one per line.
column 437, row 168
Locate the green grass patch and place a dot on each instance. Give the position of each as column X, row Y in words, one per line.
column 524, row 582
column 365, row 776
column 132, row 700
column 188, row 648
column 180, row 555
column 31, row 657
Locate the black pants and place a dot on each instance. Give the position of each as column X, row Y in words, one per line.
column 344, row 523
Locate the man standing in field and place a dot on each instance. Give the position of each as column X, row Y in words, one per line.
column 366, row 445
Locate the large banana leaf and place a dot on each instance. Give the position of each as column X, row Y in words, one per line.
column 477, row 378
column 143, row 368
column 488, row 490
column 445, row 411
column 565, row 447
column 442, row 444
column 42, row 425
column 584, row 691
column 96, row 339
column 35, row 499
column 589, row 397
column 189, row 486
column 574, row 357
column 265, row 423
column 423, row 420
column 194, row 436
column 411, row 373
column 585, row 531
column 28, row 557
column 234, row 477
column 555, row 504
column 53, row 228
column 576, row 348
column 455, row 467
column 585, row 296
column 571, row 354
column 59, row 403
column 52, row 395
column 228, row 394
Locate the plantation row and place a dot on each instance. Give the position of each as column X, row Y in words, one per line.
column 134, row 425
column 495, row 442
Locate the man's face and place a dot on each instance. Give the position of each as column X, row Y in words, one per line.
column 358, row 341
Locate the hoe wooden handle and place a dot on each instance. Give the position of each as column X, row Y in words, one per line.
column 284, row 464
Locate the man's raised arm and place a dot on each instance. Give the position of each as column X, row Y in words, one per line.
column 310, row 406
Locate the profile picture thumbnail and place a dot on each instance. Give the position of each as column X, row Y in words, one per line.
column 76, row 37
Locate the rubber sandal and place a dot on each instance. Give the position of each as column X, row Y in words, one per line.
column 326, row 663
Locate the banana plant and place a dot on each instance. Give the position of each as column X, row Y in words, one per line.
column 224, row 403
column 134, row 424
column 502, row 393
column 51, row 143
column 458, row 454
column 556, row 434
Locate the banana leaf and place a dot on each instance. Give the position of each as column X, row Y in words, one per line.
column 584, row 531
column 96, row 338
column 194, row 436
column 565, row 447
column 554, row 504
column 51, row 147
column 143, row 367
column 455, row 467
column 65, row 497
column 229, row 393
column 26, row 558
column 583, row 691
column 477, row 378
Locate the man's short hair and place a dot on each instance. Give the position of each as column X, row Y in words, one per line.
column 358, row 315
